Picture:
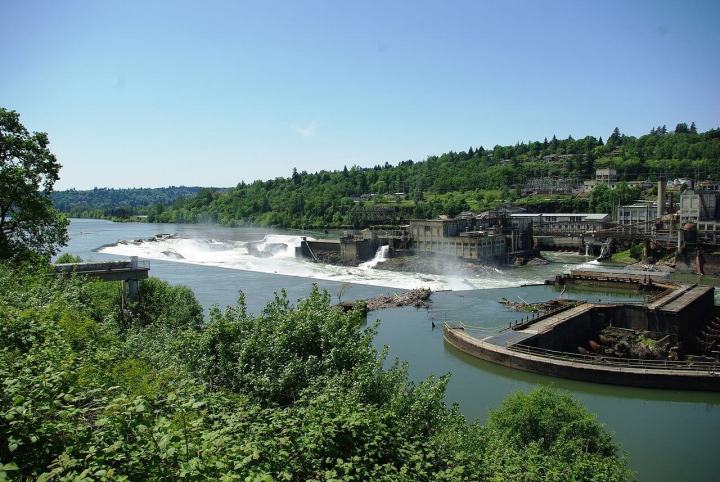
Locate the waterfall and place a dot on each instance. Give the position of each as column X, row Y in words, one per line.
column 587, row 250
column 380, row 256
column 605, row 250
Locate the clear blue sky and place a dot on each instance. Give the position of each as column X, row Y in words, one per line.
column 152, row 93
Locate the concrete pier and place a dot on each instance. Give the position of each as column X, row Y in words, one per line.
column 129, row 272
column 635, row 373
column 548, row 344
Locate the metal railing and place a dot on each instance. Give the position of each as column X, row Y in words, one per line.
column 524, row 323
column 712, row 367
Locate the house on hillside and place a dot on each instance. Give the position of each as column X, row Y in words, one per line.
column 607, row 176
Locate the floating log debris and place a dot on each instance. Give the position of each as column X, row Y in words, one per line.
column 541, row 307
column 417, row 297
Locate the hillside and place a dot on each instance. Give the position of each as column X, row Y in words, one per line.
column 475, row 179
column 117, row 203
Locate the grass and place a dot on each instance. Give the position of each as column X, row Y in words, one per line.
column 623, row 257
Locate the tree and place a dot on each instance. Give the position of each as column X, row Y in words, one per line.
column 341, row 290
column 693, row 128
column 554, row 142
column 681, row 128
column 29, row 224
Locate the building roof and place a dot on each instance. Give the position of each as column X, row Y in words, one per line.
column 586, row 216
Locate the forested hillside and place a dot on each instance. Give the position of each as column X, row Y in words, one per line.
column 477, row 178
column 116, row 203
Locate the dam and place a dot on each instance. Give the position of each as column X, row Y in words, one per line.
column 573, row 341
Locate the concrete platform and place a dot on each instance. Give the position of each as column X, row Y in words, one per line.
column 704, row 378
column 546, row 344
column 106, row 271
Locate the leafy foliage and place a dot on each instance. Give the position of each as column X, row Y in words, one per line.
column 92, row 391
column 543, row 435
column 68, row 258
column 29, row 224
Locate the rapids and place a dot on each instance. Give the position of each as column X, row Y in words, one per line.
column 275, row 253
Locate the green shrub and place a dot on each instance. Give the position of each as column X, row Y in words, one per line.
column 547, row 435
column 636, row 251
column 68, row 258
column 295, row 393
column 159, row 302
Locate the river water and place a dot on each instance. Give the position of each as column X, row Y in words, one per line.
column 668, row 435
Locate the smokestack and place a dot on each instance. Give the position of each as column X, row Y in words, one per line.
column 661, row 197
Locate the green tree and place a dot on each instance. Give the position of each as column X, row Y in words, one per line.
column 682, row 128
column 615, row 138
column 29, row 224
column 68, row 258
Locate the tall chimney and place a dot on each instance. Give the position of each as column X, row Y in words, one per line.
column 661, row 197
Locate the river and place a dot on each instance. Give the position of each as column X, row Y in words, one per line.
column 668, row 435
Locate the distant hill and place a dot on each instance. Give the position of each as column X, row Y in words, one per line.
column 112, row 203
column 477, row 179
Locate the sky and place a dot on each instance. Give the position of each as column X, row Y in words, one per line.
column 211, row 93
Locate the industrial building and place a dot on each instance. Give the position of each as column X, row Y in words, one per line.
column 638, row 212
column 701, row 208
column 490, row 236
column 559, row 224
column 458, row 238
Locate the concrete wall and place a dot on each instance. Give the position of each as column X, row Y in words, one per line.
column 686, row 324
column 558, row 242
column 574, row 332
column 693, row 319
column 648, row 378
column 348, row 251
column 352, row 251
column 308, row 248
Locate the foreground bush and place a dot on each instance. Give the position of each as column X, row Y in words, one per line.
column 153, row 392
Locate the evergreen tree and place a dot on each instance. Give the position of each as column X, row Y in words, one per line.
column 554, row 142
column 693, row 128
column 681, row 128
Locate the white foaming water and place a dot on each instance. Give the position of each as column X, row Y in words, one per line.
column 276, row 254
column 380, row 256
